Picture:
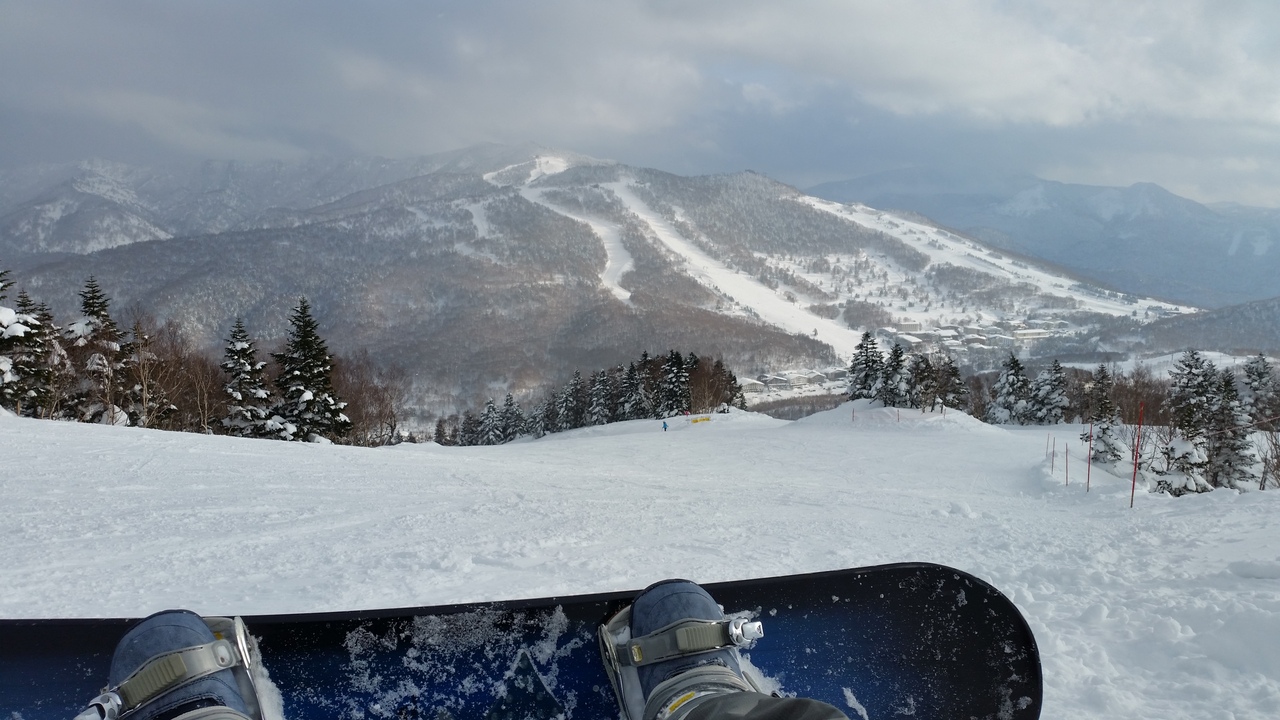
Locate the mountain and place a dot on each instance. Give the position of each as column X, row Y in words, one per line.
column 503, row 268
column 1246, row 328
column 1139, row 239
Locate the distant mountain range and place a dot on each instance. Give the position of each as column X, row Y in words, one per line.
column 501, row 268
column 1139, row 239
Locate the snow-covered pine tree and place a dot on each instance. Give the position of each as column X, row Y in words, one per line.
column 601, row 398
column 17, row 365
column 536, row 424
column 1193, row 389
column 469, row 429
column 922, row 382
column 1104, row 418
column 490, row 425
column 892, row 389
column 1262, row 399
column 572, row 408
column 248, row 400
column 441, row 435
column 866, row 368
column 307, row 401
column 38, row 361
column 635, row 404
column 513, row 419
column 952, row 390
column 673, row 392
column 1048, row 402
column 1009, row 395
column 734, row 396
column 99, row 357
column 1232, row 460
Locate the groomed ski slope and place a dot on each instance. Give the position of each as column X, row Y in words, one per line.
column 1169, row 610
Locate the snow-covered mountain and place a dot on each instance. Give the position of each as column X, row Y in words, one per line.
column 503, row 268
column 1140, row 239
column 94, row 209
column 1168, row 610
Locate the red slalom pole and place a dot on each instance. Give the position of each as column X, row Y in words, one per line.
column 1137, row 445
column 1088, row 473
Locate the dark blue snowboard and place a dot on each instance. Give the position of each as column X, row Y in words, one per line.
column 913, row 639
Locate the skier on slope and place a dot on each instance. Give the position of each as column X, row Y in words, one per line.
column 676, row 660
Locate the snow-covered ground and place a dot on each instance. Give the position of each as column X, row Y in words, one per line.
column 1168, row 610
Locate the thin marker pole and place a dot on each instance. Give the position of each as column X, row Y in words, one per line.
column 1089, row 460
column 1066, row 468
column 1053, row 459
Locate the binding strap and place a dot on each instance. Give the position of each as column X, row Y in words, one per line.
column 163, row 673
column 687, row 637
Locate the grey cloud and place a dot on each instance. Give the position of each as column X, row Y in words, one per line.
column 1185, row 93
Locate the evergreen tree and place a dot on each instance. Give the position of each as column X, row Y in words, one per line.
column 37, row 360
column 598, row 412
column 1104, row 418
column 922, row 383
column 1194, row 385
column 513, row 419
column 469, row 429
column 733, row 389
column 441, row 435
column 491, row 432
column 952, row 390
column 1262, row 400
column 1048, row 401
column 866, row 368
column 1009, row 395
column 635, row 403
column 893, row 389
column 1232, row 460
column 25, row 374
column 537, row 422
column 673, row 392
column 248, row 400
column 99, row 358
column 308, row 408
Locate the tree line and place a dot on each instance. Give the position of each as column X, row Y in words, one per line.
column 1205, row 427
column 650, row 387
column 149, row 374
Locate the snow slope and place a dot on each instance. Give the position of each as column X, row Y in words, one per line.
column 748, row 292
column 1169, row 610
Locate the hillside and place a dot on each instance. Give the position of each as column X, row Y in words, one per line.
column 1167, row 610
column 1139, row 239
column 501, row 268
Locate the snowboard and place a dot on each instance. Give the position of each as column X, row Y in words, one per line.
column 913, row 639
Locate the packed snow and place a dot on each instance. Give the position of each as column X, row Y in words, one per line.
column 1170, row 609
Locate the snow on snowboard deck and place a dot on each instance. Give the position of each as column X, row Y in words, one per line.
column 912, row 639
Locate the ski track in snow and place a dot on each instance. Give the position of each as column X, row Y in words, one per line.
column 1168, row 610
column 618, row 263
column 767, row 304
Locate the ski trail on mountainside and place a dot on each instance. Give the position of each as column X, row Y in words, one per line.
column 765, row 303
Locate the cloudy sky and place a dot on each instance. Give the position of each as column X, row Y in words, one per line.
column 1185, row 93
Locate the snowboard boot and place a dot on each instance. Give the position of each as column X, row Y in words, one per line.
column 672, row 649
column 176, row 665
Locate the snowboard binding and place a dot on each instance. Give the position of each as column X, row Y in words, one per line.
column 672, row 646
column 176, row 665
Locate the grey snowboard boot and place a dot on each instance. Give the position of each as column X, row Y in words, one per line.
column 176, row 665
column 672, row 649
